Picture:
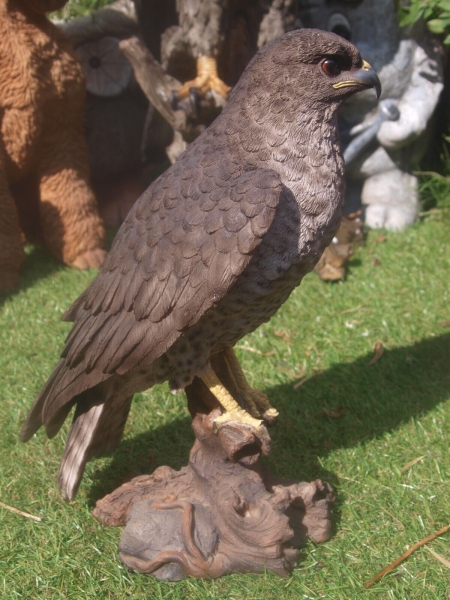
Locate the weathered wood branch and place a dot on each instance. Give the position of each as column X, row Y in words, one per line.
column 118, row 19
column 222, row 513
column 151, row 77
column 157, row 87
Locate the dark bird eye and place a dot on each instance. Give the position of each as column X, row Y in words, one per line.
column 330, row 67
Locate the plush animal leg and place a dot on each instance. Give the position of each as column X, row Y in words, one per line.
column 257, row 401
column 206, row 80
column 12, row 254
column 233, row 412
column 73, row 230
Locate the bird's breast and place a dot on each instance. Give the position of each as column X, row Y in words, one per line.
column 318, row 185
column 303, row 147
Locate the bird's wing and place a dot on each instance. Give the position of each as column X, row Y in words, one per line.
column 177, row 254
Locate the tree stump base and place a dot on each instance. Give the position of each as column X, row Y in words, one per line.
column 216, row 516
column 222, row 513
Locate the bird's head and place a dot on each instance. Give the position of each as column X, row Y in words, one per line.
column 312, row 67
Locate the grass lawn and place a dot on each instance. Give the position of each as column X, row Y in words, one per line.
column 391, row 412
column 357, row 425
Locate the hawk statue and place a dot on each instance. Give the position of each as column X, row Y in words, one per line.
column 211, row 250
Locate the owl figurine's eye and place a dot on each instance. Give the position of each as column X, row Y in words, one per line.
column 339, row 24
column 330, row 67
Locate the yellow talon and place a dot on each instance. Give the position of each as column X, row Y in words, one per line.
column 207, row 79
column 233, row 412
column 239, row 415
column 257, row 402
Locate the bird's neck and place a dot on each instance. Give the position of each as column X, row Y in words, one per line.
column 301, row 143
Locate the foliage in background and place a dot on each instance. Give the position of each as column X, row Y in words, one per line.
column 436, row 13
column 79, row 8
column 435, row 187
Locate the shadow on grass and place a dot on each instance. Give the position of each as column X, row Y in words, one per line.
column 373, row 399
column 366, row 401
column 39, row 264
column 166, row 445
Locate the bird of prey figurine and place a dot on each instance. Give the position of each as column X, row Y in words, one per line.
column 211, row 249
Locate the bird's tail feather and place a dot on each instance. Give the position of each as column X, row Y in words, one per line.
column 97, row 429
column 35, row 417
column 62, row 390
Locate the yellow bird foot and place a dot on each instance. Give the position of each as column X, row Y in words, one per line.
column 232, row 410
column 259, row 405
column 257, row 402
column 238, row 415
column 206, row 80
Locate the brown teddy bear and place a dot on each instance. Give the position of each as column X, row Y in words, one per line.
column 44, row 174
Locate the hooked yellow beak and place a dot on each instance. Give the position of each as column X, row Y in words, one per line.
column 365, row 76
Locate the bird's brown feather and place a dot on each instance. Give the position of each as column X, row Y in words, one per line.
column 166, row 291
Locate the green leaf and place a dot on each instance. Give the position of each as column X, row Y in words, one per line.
column 436, row 26
column 416, row 12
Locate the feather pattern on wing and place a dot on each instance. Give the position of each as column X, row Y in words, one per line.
column 167, row 290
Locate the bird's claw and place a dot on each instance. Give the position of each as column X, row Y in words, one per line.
column 207, row 80
column 174, row 99
column 259, row 406
column 194, row 99
column 238, row 415
column 270, row 416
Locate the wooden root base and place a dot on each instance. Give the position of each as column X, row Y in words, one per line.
column 222, row 513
